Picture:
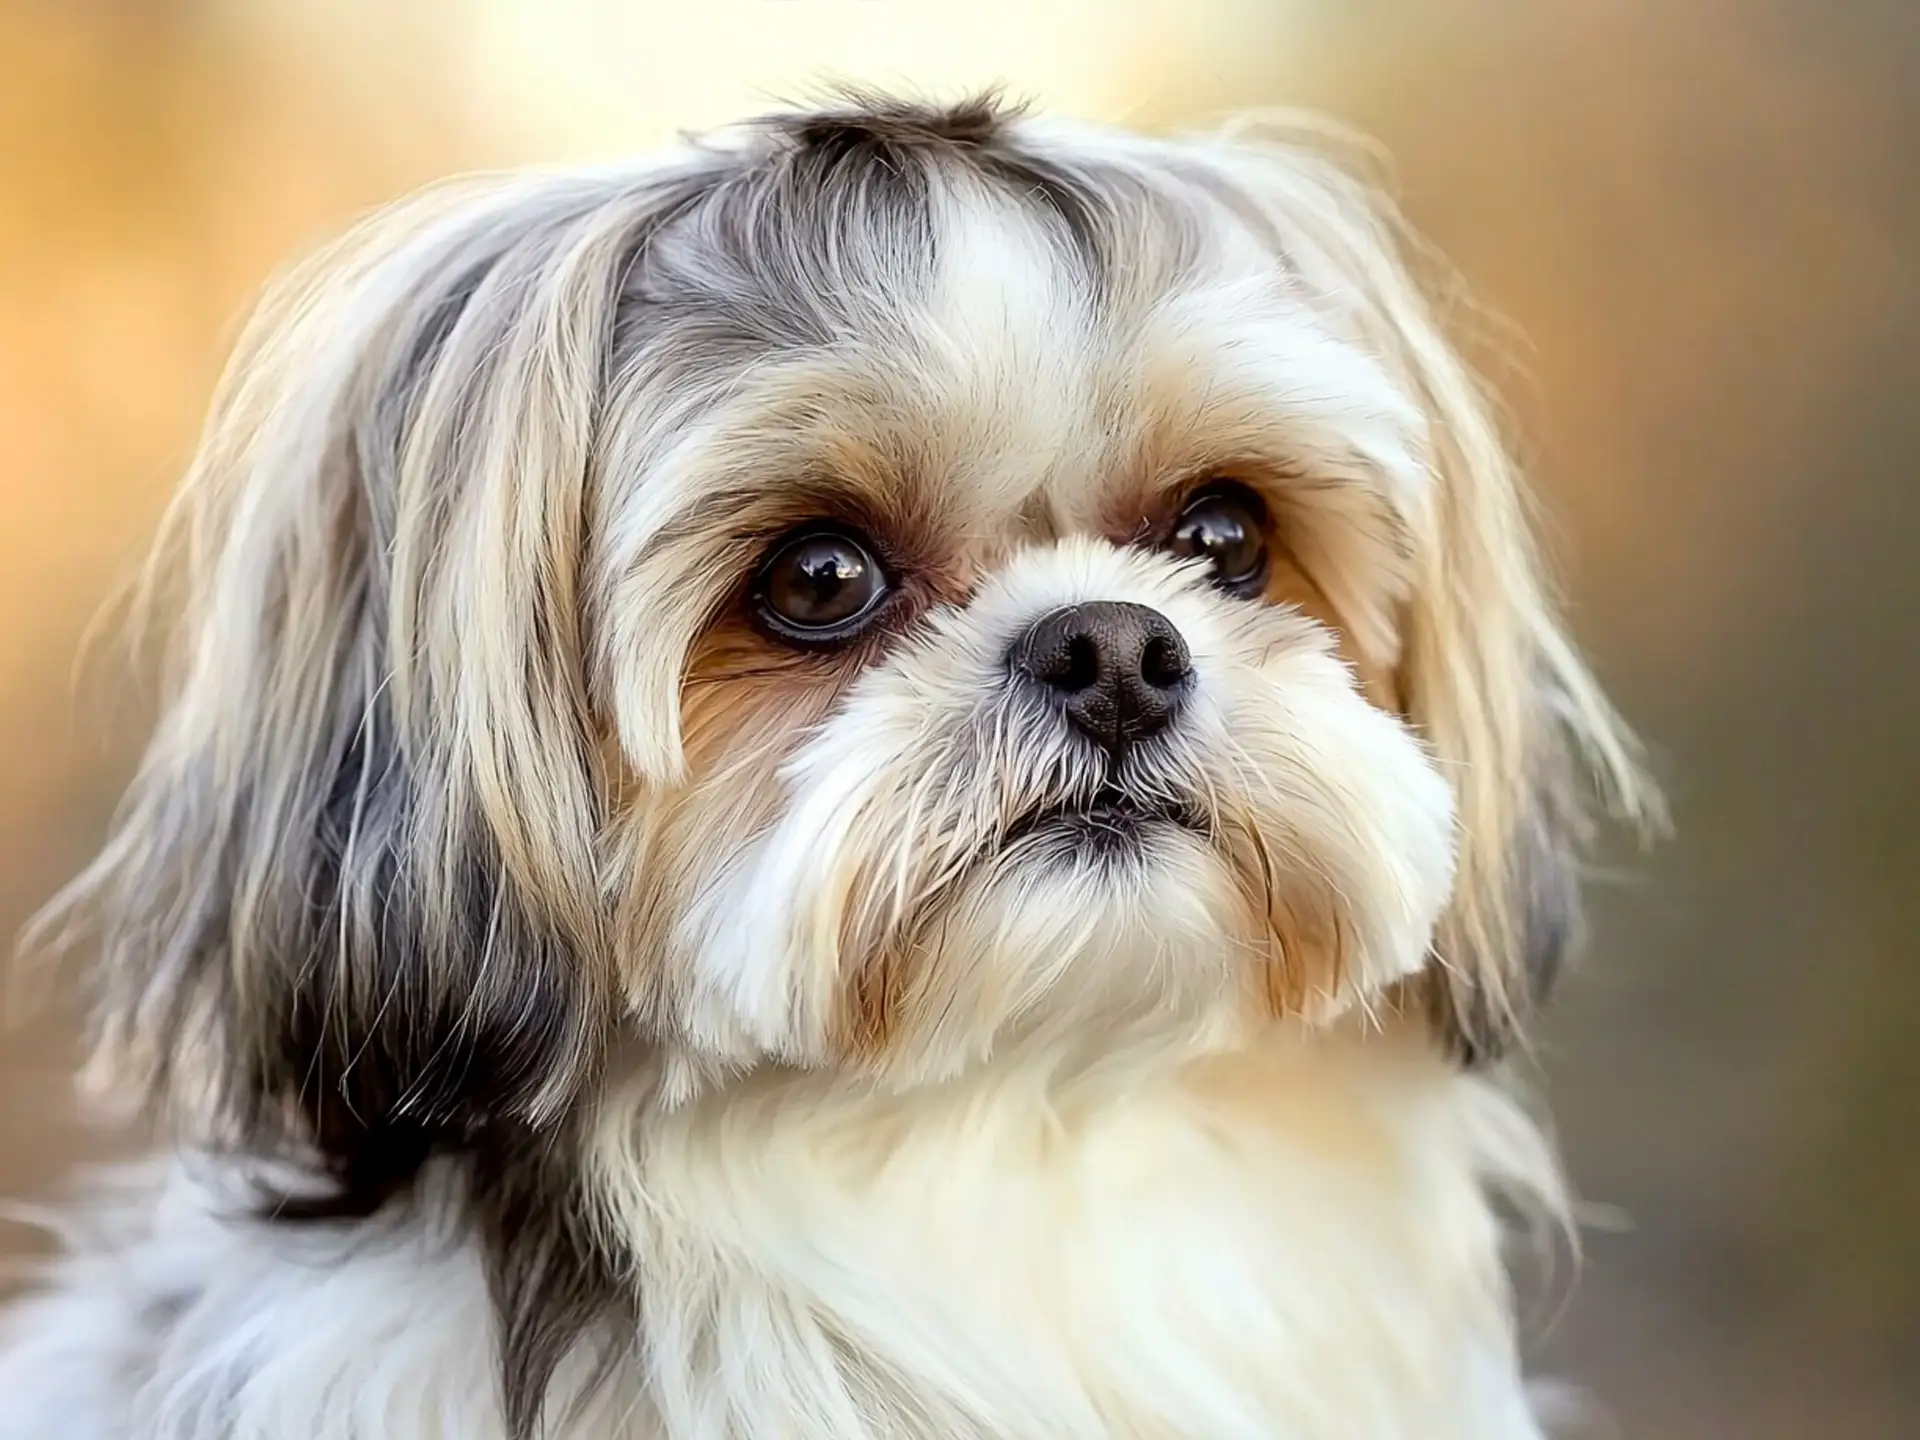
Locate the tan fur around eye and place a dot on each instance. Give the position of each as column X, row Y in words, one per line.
column 1290, row 585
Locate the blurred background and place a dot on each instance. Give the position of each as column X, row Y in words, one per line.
column 1702, row 220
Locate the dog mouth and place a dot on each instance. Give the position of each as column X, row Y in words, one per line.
column 1111, row 820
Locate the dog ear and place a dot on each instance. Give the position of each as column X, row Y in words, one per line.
column 351, row 900
column 1485, row 674
column 1480, row 998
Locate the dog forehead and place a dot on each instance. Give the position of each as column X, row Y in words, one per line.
column 1040, row 373
column 999, row 358
column 966, row 359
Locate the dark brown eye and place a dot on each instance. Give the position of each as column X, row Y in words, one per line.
column 1225, row 525
column 819, row 586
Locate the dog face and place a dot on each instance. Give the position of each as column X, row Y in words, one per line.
column 1013, row 700
column 882, row 587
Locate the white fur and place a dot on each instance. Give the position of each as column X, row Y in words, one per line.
column 1290, row 1241
column 183, row 1318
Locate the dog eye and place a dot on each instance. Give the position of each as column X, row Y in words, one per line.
column 819, row 585
column 1225, row 525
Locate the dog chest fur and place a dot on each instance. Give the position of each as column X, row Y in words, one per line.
column 1294, row 1241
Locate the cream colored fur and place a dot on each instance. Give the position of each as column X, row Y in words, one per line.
column 1289, row 1242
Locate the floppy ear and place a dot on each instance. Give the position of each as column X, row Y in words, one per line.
column 351, row 900
column 1486, row 675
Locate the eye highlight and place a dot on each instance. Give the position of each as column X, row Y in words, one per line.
column 819, row 585
column 1225, row 525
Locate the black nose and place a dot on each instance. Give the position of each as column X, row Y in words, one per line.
column 1119, row 671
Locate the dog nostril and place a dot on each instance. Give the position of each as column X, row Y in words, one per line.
column 1165, row 661
column 1077, row 665
column 1061, row 653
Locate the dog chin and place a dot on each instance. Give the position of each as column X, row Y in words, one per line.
column 1090, row 922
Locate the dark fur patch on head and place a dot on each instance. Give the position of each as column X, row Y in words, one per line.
column 861, row 121
column 883, row 143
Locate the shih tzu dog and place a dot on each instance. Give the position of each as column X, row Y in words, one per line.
column 899, row 775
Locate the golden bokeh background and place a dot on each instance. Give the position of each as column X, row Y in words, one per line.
column 1702, row 218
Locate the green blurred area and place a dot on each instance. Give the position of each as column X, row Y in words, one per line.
column 1704, row 220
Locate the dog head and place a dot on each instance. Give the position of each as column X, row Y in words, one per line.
column 874, row 589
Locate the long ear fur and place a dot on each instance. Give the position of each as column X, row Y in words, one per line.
column 1487, row 675
column 351, row 899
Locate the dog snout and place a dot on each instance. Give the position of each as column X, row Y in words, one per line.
column 1119, row 672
